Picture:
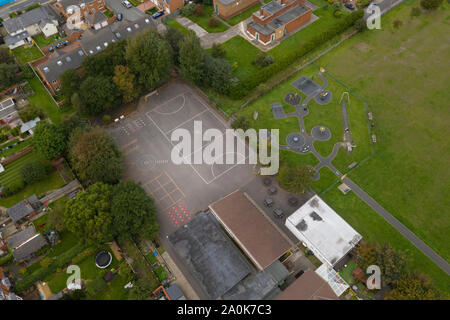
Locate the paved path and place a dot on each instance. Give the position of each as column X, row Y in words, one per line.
column 326, row 162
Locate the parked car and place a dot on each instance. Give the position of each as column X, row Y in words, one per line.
column 272, row 190
column 127, row 4
column 158, row 14
column 268, row 202
column 349, row 6
column 278, row 213
column 119, row 17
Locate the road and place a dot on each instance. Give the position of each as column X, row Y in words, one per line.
column 21, row 5
column 131, row 14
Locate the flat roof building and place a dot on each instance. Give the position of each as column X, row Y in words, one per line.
column 323, row 231
column 250, row 229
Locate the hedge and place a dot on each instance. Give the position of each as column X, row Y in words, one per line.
column 243, row 88
column 41, row 273
column 7, row 258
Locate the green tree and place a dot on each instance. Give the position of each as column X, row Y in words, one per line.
column 241, row 123
column 104, row 62
column 70, row 83
column 412, row 286
column 191, row 58
column 173, row 37
column 124, row 79
column 150, row 57
column 56, row 216
column 142, row 289
column 295, row 178
column 368, row 254
column 217, row 51
column 88, row 216
column 392, row 262
column 94, row 156
column 6, row 57
column 133, row 211
column 34, row 171
column 9, row 74
column 97, row 94
column 49, row 140
column 217, row 74
column 71, row 122
column 430, row 4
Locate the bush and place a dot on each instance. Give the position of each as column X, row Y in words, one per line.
column 263, row 60
column 397, row 23
column 217, row 51
column 198, row 10
column 188, row 10
column 415, row 12
column 31, row 112
column 338, row 13
column 430, row 4
column 360, row 25
column 242, row 89
column 46, row 262
column 3, row 137
column 7, row 258
column 34, row 171
column 15, row 131
column 240, row 123
column 212, row 22
column 106, row 119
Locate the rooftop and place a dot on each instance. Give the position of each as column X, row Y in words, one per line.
column 288, row 16
column 210, row 255
column 56, row 66
column 22, row 209
column 29, row 247
column 20, row 237
column 309, row 286
column 250, row 228
column 6, row 108
column 322, row 230
column 29, row 18
column 29, row 125
column 11, row 40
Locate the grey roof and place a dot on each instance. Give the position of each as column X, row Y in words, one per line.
column 261, row 29
column 288, row 16
column 20, row 237
column 29, row 18
column 272, row 7
column 43, row 22
column 67, row 3
column 227, row 2
column 10, row 40
column 259, row 285
column 29, row 247
column 20, row 210
column 174, row 292
column 97, row 17
column 55, row 67
column 132, row 28
column 33, row 199
column 29, row 125
column 7, row 107
column 93, row 43
column 210, row 255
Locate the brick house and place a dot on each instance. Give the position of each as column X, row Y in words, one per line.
column 168, row 6
column 277, row 19
column 87, row 9
column 229, row 8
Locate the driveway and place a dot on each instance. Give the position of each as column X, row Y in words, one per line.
column 131, row 14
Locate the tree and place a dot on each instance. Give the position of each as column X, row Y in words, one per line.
column 9, row 74
column 430, row 4
column 97, row 94
column 393, row 263
column 77, row 103
column 142, row 289
column 88, row 216
column 104, row 63
column 56, row 216
column 149, row 57
column 34, row 171
column 412, row 286
column 263, row 60
column 360, row 25
column 173, row 37
column 217, row 74
column 70, row 83
column 31, row 112
column 125, row 82
column 295, row 178
column 133, row 211
column 191, row 58
column 212, row 22
column 49, row 140
column 368, row 254
column 6, row 57
column 217, row 51
column 241, row 123
column 94, row 156
column 71, row 122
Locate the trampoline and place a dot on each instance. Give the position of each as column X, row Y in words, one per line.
column 103, row 259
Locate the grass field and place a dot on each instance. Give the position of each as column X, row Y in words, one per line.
column 202, row 21
column 17, row 148
column 176, row 25
column 12, row 170
column 42, row 41
column 26, row 54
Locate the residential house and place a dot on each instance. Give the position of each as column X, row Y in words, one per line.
column 5, row 287
column 8, row 111
column 25, row 243
column 229, row 8
column 21, row 28
column 169, row 6
column 24, row 208
column 278, row 19
column 78, row 13
column 29, row 126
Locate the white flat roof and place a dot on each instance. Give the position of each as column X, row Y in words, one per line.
column 323, row 231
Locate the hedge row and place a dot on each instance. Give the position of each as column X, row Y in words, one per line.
column 243, row 88
column 7, row 258
column 59, row 262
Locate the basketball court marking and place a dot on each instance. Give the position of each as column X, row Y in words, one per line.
column 166, row 102
column 163, row 187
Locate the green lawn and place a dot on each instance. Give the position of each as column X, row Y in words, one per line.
column 26, row 54
column 17, row 148
column 43, row 41
column 53, row 181
column 244, row 15
column 202, row 21
column 172, row 23
column 12, row 170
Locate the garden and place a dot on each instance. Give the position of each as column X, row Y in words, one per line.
column 202, row 15
column 42, row 41
column 26, row 54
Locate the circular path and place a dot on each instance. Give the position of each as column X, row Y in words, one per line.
column 321, row 133
column 325, row 100
column 295, row 140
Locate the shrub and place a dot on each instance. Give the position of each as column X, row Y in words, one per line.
column 338, row 13
column 217, row 51
column 198, row 10
column 263, row 60
column 415, row 12
column 106, row 119
column 212, row 22
column 330, row 1
column 7, row 258
column 397, row 23
column 430, row 4
column 3, row 137
column 241, row 123
column 46, row 262
column 188, row 10
column 360, row 25
column 34, row 171
column 15, row 131
column 31, row 112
